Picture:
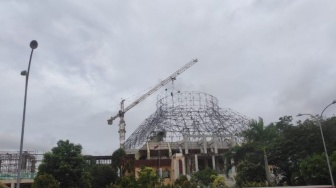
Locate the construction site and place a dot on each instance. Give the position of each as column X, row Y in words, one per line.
column 9, row 163
column 188, row 132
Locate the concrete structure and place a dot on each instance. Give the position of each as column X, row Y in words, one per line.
column 9, row 162
column 193, row 153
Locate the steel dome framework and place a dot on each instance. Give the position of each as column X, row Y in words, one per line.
column 195, row 114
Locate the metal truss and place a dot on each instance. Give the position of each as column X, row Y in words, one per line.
column 195, row 114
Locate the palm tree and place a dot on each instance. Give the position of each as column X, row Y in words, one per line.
column 260, row 135
column 121, row 162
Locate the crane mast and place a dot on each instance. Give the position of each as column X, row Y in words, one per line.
column 123, row 110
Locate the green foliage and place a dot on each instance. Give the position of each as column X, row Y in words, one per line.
column 45, row 181
column 204, row 177
column 259, row 135
column 260, row 138
column 333, row 163
column 66, row 164
column 219, row 182
column 183, row 182
column 314, row 170
column 296, row 178
column 120, row 162
column 250, row 172
column 86, row 179
column 164, row 186
column 329, row 132
column 254, row 184
column 128, row 181
column 147, row 177
column 287, row 147
column 102, row 175
column 292, row 145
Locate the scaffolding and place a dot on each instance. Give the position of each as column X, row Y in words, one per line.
column 195, row 114
column 9, row 163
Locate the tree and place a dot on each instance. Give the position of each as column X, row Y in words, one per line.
column 45, row 181
column 147, row 177
column 66, row 164
column 120, row 162
column 250, row 171
column 102, row 175
column 329, row 132
column 333, row 163
column 261, row 136
column 128, row 181
column 286, row 145
column 292, row 145
column 204, row 177
column 314, row 170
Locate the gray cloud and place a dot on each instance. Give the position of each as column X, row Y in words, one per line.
column 260, row 58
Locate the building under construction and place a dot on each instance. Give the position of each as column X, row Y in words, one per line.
column 188, row 132
column 9, row 163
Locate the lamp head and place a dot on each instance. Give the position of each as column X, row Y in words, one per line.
column 299, row 115
column 33, row 44
column 24, row 73
column 334, row 101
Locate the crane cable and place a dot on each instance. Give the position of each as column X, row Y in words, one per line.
column 140, row 92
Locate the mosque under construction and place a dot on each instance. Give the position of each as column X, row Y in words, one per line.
column 187, row 132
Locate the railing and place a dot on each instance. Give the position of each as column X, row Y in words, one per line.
column 12, row 176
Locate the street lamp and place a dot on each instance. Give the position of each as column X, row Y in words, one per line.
column 318, row 120
column 33, row 45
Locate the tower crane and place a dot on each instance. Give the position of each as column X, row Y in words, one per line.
column 123, row 109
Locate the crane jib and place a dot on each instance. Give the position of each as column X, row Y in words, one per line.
column 143, row 97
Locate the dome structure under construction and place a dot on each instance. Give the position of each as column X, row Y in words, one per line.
column 192, row 114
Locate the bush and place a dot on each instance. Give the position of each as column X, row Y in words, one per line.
column 204, row 177
column 45, row 181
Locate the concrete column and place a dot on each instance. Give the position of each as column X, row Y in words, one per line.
column 185, row 139
column 176, row 168
column 225, row 164
column 183, row 166
column 12, row 185
column 169, row 149
column 205, row 145
column 188, row 165
column 196, row 162
column 148, row 151
column 136, row 156
column 215, row 143
column 213, row 162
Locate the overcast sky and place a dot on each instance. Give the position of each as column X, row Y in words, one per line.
column 260, row 58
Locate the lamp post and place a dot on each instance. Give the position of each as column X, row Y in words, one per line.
column 318, row 120
column 33, row 45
